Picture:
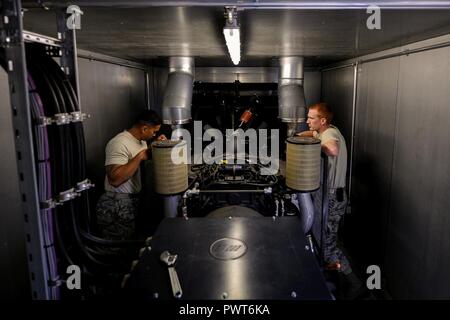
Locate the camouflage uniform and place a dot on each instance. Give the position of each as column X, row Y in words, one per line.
column 336, row 209
column 116, row 215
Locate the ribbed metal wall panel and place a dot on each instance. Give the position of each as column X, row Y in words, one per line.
column 372, row 161
column 419, row 244
column 337, row 91
column 401, row 172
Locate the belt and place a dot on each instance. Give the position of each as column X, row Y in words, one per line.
column 117, row 195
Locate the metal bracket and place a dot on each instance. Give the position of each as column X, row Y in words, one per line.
column 53, row 51
column 69, row 62
column 44, row 121
column 84, row 185
column 10, row 34
column 63, row 118
column 268, row 190
column 79, row 116
column 67, row 195
column 56, row 282
column 49, row 204
column 39, row 38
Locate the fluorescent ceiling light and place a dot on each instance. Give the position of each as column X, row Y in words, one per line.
column 233, row 40
column 232, row 34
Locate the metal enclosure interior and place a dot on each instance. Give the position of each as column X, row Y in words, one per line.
column 113, row 95
column 399, row 122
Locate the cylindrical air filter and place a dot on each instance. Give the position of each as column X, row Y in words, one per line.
column 171, row 173
column 303, row 163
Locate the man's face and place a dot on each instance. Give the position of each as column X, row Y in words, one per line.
column 314, row 120
column 148, row 132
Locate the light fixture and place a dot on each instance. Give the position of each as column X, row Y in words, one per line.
column 232, row 34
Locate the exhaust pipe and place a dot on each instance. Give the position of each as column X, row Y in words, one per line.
column 291, row 96
column 176, row 108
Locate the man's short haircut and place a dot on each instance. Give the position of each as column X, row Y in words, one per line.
column 148, row 117
column 323, row 110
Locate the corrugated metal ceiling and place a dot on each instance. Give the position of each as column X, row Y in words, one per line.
column 148, row 34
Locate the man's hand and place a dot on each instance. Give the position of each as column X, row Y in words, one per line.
column 161, row 137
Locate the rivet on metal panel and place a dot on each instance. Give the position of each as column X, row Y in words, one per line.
column 10, row 65
column 294, row 294
column 5, row 20
column 224, row 295
column 155, row 295
column 306, row 247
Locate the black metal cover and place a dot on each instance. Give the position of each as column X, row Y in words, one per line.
column 238, row 258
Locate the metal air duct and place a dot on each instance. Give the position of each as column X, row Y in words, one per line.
column 176, row 108
column 291, row 96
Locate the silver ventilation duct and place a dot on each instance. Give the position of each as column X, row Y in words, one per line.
column 176, row 108
column 291, row 96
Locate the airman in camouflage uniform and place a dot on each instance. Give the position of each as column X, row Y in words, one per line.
column 333, row 145
column 117, row 208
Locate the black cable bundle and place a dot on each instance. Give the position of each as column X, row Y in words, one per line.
column 68, row 166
